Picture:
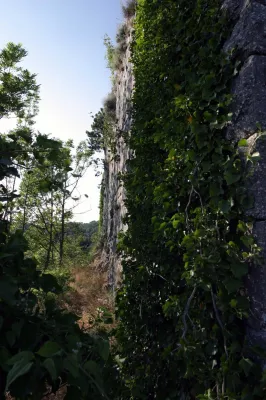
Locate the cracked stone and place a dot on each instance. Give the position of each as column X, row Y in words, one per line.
column 249, row 102
column 236, row 7
column 249, row 34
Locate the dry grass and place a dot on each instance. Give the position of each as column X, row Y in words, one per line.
column 89, row 291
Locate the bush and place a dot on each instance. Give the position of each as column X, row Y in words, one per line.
column 129, row 8
column 122, row 33
column 110, row 104
column 118, row 58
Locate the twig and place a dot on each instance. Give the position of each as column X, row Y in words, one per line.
column 217, row 391
column 184, row 317
column 201, row 203
column 160, row 276
column 188, row 204
column 219, row 321
column 192, row 323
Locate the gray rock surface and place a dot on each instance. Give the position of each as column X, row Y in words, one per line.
column 256, row 285
column 114, row 193
column 249, row 90
column 249, row 108
column 257, row 181
column 249, row 34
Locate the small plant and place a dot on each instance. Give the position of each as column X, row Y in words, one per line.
column 118, row 58
column 129, row 8
column 121, row 37
column 110, row 104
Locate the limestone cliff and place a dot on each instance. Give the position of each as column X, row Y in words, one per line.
column 115, row 164
column 248, row 41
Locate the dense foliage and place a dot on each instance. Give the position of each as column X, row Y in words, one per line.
column 48, row 197
column 41, row 345
column 183, row 305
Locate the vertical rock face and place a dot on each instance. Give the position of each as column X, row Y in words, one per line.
column 249, row 106
column 114, row 194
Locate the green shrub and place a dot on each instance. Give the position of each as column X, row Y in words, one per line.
column 121, row 38
column 110, row 104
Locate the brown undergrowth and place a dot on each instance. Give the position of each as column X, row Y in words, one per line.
column 88, row 294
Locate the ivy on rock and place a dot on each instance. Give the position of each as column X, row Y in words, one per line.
column 183, row 304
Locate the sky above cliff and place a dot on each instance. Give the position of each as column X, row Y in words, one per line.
column 64, row 40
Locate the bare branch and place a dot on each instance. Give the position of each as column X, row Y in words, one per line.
column 185, row 315
column 219, row 321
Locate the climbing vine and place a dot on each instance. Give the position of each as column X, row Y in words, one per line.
column 188, row 247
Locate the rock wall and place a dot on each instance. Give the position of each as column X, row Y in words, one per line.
column 114, row 194
column 249, row 106
column 248, row 41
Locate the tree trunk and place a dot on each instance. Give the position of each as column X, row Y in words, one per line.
column 49, row 256
column 62, row 236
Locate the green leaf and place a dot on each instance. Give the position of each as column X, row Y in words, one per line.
column 49, row 365
column 8, row 290
column 18, row 369
column 93, row 369
column 232, row 178
column 247, row 240
column 175, row 224
column 233, row 303
column 4, row 356
column 49, row 349
column 215, row 189
column 172, row 153
column 104, row 349
column 232, row 285
column 255, row 156
column 206, row 166
column 242, row 227
column 239, row 269
column 208, row 116
column 71, row 365
column 16, row 327
column 243, row 143
column 225, row 205
column 163, row 225
column 23, row 355
column 246, row 364
column 11, row 338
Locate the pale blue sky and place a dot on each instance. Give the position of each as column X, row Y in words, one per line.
column 64, row 40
